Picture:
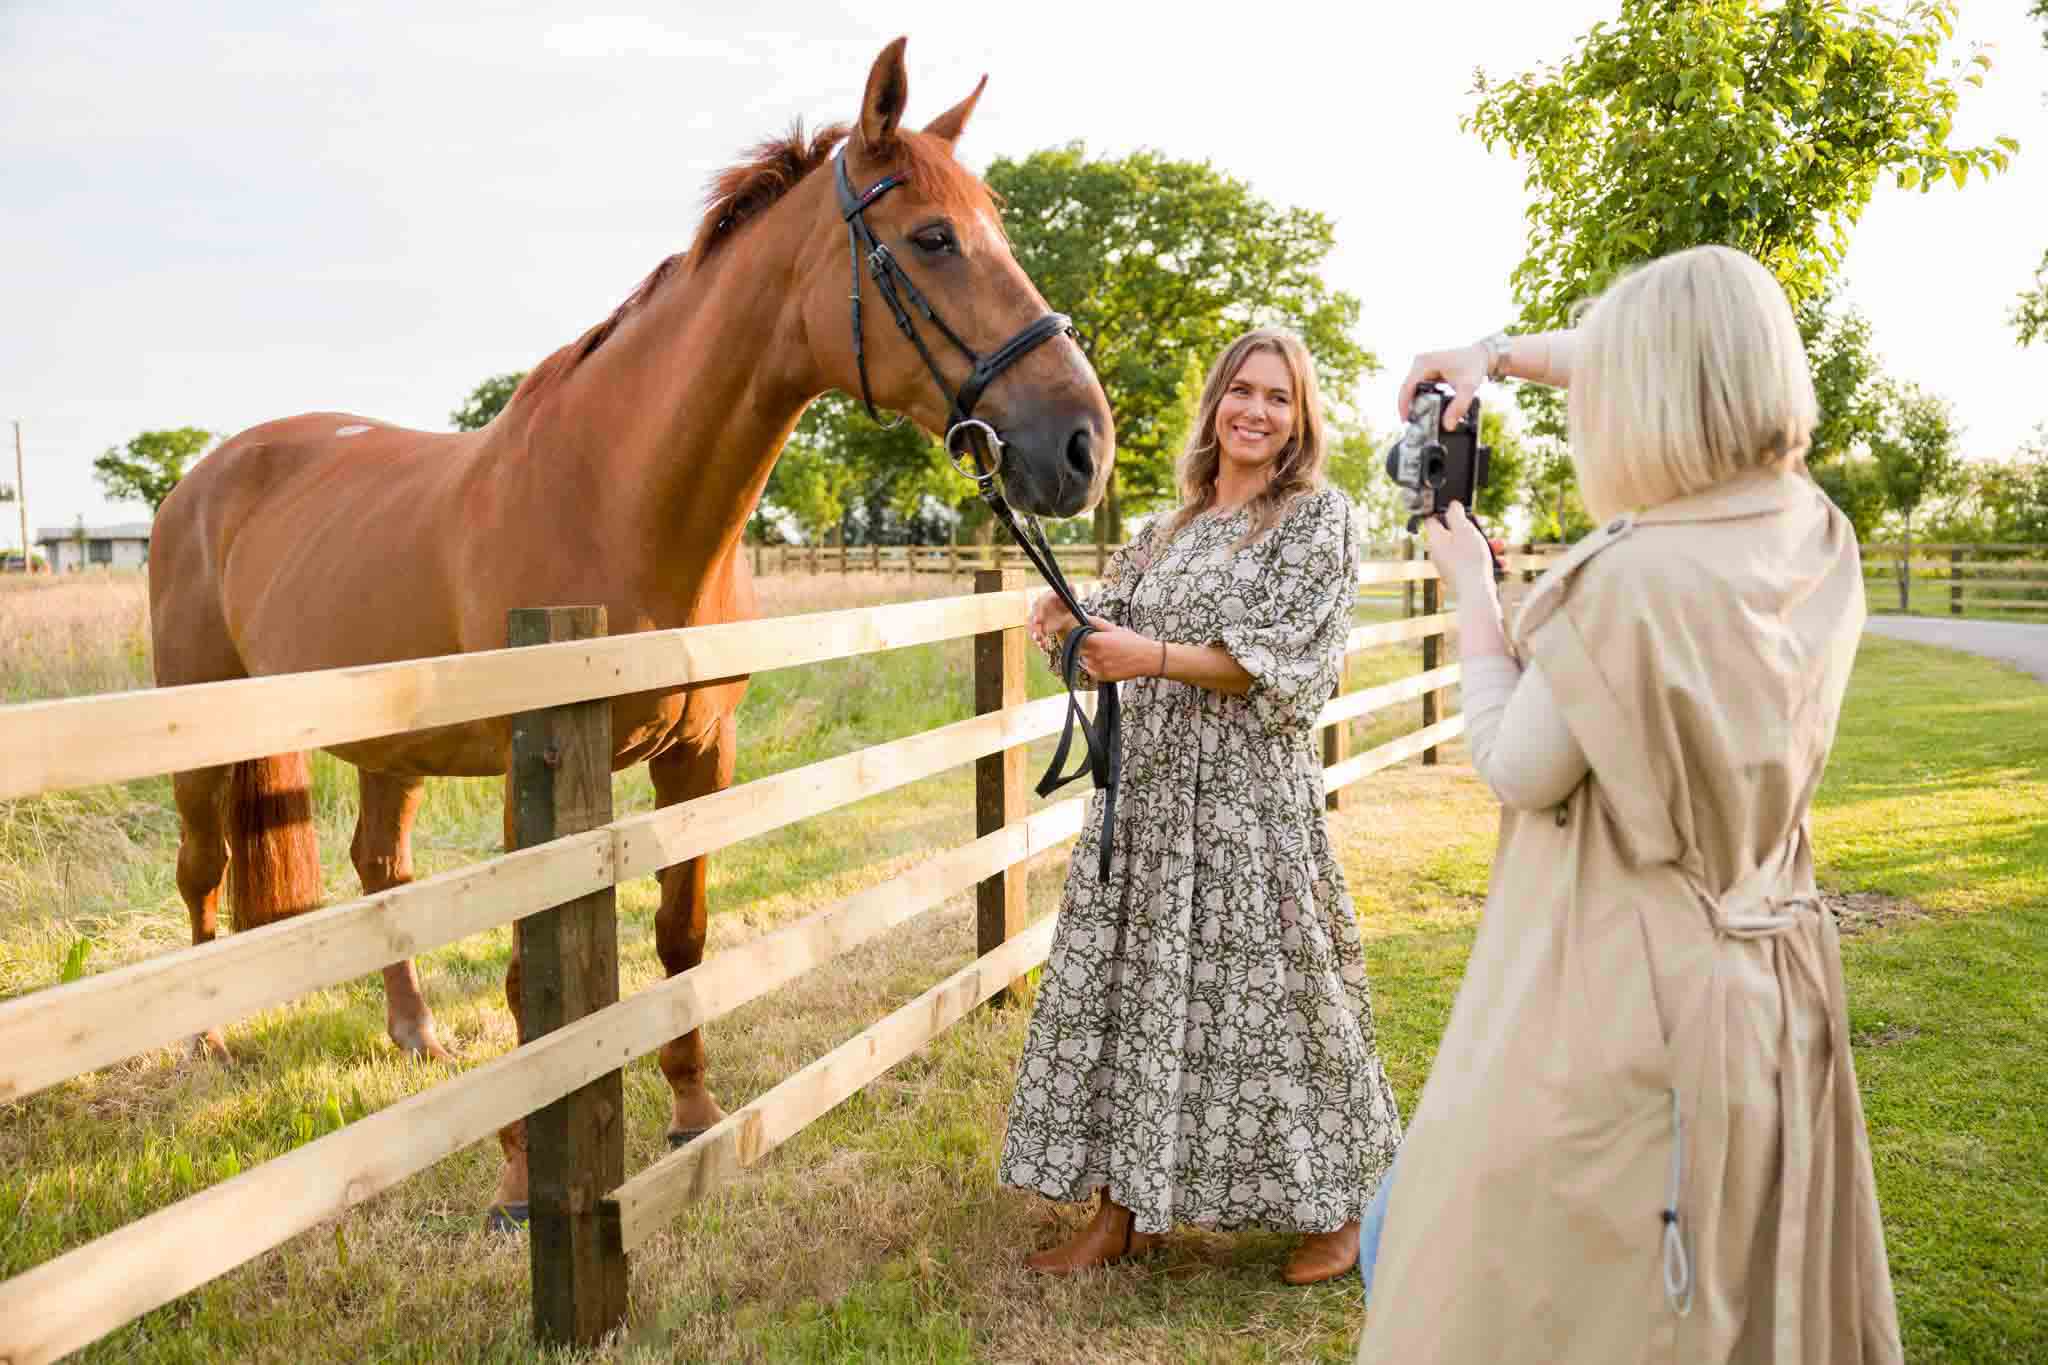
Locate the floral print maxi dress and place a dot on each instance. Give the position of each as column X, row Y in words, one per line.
column 1203, row 1039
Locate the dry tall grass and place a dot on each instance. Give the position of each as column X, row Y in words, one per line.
column 72, row 635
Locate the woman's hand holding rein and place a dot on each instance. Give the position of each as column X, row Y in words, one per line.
column 1113, row 653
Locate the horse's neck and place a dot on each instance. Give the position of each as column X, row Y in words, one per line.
column 679, row 415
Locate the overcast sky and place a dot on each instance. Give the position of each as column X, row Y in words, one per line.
column 217, row 214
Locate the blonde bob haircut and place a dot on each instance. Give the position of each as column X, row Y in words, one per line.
column 1297, row 469
column 1685, row 373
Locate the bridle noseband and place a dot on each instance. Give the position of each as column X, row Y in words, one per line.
column 976, row 450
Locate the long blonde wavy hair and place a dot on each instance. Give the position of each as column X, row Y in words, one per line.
column 1297, row 469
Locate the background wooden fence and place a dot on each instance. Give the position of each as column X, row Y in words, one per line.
column 1957, row 579
column 558, row 886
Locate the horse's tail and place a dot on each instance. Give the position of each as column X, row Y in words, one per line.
column 273, row 852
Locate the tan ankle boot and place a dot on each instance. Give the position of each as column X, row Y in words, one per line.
column 1111, row 1235
column 1323, row 1256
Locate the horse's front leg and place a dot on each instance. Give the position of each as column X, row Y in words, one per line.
column 691, row 769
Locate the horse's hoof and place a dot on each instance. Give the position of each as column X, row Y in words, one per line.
column 685, row 1137
column 506, row 1217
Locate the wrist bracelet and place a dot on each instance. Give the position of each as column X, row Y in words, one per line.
column 1162, row 658
column 1496, row 348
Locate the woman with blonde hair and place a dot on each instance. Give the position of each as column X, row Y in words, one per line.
column 1202, row 1047
column 1641, row 1138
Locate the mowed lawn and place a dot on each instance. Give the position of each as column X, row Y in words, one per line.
column 879, row 1234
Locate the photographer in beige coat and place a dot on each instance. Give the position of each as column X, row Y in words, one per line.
column 1641, row 1139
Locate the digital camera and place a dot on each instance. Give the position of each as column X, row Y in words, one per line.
column 1435, row 467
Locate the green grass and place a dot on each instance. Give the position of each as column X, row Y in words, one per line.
column 879, row 1233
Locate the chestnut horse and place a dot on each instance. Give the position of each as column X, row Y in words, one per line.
column 621, row 473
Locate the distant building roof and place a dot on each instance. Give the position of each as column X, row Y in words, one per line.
column 127, row 530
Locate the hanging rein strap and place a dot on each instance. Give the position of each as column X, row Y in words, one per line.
column 977, row 451
column 1104, row 736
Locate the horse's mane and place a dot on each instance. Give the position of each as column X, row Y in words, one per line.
column 745, row 191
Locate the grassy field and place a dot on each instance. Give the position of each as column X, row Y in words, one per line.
column 879, row 1233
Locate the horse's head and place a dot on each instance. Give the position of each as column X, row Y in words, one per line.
column 947, row 267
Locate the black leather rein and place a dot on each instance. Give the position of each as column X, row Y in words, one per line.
column 976, row 450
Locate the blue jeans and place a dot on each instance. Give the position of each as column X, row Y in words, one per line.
column 1370, row 1225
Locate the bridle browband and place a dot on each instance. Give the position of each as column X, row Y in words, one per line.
column 976, row 450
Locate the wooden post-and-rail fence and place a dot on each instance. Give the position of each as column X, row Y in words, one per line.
column 2010, row 579
column 565, row 1079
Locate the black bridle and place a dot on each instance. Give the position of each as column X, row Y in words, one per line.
column 976, row 450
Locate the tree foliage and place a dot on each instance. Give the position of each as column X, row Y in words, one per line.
column 1761, row 126
column 2030, row 314
column 1848, row 377
column 1161, row 263
column 150, row 465
column 486, row 401
column 2003, row 501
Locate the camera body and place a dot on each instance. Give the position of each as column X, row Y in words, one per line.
column 1435, row 467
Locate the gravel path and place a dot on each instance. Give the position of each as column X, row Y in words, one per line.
column 2022, row 644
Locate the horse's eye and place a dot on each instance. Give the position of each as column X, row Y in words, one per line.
column 936, row 241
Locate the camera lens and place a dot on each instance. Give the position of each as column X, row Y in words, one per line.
column 1433, row 464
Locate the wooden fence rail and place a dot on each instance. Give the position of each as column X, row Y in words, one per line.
column 578, row 1034
column 1988, row 577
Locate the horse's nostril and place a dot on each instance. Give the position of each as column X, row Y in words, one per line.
column 1081, row 452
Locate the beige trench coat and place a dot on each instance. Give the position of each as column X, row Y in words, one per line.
column 1652, row 1020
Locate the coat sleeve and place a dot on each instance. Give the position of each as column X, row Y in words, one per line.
column 1296, row 615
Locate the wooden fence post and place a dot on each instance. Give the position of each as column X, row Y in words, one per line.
column 1955, row 581
column 999, row 661
column 1337, row 739
column 561, row 782
column 1408, row 585
column 757, row 559
column 875, row 559
column 1432, row 653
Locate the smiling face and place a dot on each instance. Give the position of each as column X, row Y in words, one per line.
column 1257, row 415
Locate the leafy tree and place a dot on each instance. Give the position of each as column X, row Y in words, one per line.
column 1918, row 458
column 2000, row 501
column 1557, row 515
column 1847, row 376
column 486, row 401
column 1853, row 484
column 1762, row 126
column 890, row 477
column 1161, row 263
column 1358, row 466
column 150, row 466
column 812, row 485
column 2030, row 315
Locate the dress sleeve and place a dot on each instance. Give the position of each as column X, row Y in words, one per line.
column 1296, row 615
column 1518, row 737
column 1112, row 596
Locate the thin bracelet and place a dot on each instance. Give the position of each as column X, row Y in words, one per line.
column 1162, row 658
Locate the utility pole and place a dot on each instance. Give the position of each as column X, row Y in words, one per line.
column 21, row 501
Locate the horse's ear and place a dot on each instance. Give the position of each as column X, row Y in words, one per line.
column 949, row 125
column 881, row 108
